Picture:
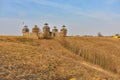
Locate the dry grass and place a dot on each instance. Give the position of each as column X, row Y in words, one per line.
column 104, row 52
column 31, row 59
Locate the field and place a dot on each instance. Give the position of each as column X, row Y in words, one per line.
column 69, row 58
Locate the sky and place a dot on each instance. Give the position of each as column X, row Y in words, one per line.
column 81, row 17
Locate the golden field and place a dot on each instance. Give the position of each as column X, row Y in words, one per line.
column 69, row 58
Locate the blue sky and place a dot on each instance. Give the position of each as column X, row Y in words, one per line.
column 82, row 17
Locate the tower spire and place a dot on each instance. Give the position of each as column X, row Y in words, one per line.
column 23, row 24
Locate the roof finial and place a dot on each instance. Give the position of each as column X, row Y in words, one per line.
column 46, row 24
column 63, row 26
column 54, row 27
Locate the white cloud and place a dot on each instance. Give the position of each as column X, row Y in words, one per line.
column 79, row 11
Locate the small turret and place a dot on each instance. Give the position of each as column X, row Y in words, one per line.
column 25, row 29
column 46, row 30
column 54, row 31
column 63, row 31
column 35, row 29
